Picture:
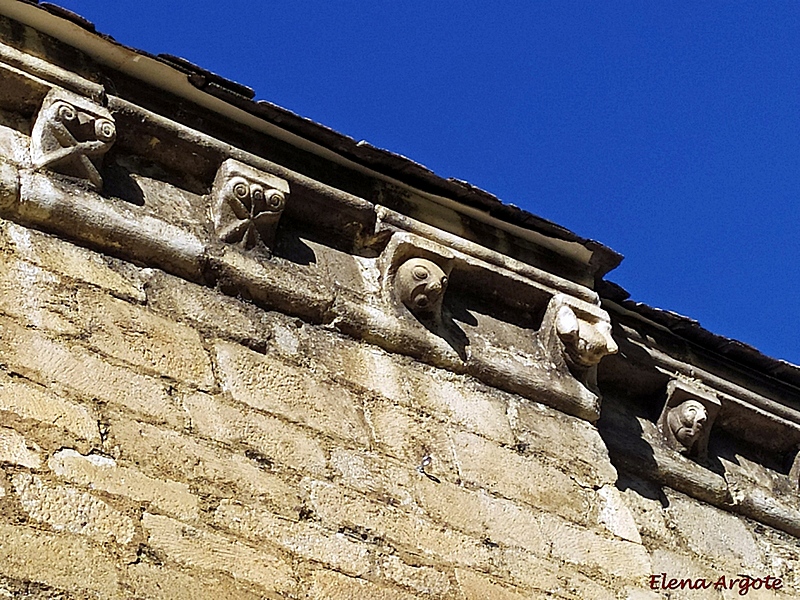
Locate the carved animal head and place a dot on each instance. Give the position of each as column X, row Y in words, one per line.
column 585, row 341
column 687, row 421
column 420, row 285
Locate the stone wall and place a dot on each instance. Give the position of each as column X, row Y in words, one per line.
column 193, row 407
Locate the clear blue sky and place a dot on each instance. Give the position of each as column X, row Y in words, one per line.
column 669, row 131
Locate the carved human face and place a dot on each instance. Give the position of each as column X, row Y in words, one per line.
column 420, row 284
column 687, row 422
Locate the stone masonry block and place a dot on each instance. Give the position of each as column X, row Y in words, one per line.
column 278, row 442
column 209, row 471
column 29, row 401
column 209, row 311
column 61, row 560
column 406, row 531
column 66, row 259
column 569, row 440
column 271, row 385
column 481, row 515
column 441, row 394
column 14, row 450
column 162, row 583
column 142, row 338
column 103, row 473
column 408, row 436
column 329, row 585
column 582, row 547
column 304, row 539
column 712, row 532
column 427, row 582
column 477, row 586
column 49, row 362
column 504, row 472
column 67, row 509
column 199, row 549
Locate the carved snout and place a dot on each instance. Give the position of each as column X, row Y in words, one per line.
column 586, row 342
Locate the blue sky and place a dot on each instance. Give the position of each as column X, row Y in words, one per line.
column 669, row 131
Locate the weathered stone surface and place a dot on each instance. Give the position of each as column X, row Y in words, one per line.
column 575, row 442
column 208, row 311
column 271, row 385
column 582, row 547
column 68, row 509
column 328, row 585
column 507, row 473
column 99, row 472
column 29, row 401
column 14, row 450
column 214, row 472
column 712, row 532
column 479, row 514
column 476, row 586
column 615, row 515
column 276, row 441
column 337, row 507
column 208, row 551
column 64, row 258
column 47, row 361
column 163, row 583
column 61, row 560
column 304, row 539
column 139, row 337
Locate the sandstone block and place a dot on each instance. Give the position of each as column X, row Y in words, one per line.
column 14, row 450
column 329, row 585
column 304, row 539
column 410, row 437
column 502, row 471
column 162, row 583
column 49, row 362
column 59, row 560
column 476, row 586
column 139, row 337
column 570, row 441
column 481, row 515
column 67, row 509
column 102, row 473
column 712, row 532
column 276, row 441
column 302, row 396
column 177, row 457
column 29, row 401
column 616, row 516
column 582, row 547
column 209, row 311
column 209, row 551
column 406, row 531
column 427, row 582
column 64, row 258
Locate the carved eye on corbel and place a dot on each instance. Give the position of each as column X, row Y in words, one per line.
column 687, row 418
column 71, row 135
column 247, row 205
column 415, row 273
column 420, row 285
column 577, row 334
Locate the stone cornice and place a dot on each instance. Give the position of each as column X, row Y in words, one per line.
column 389, row 265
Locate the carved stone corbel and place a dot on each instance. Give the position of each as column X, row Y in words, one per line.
column 687, row 418
column 70, row 136
column 247, row 205
column 415, row 274
column 794, row 473
column 579, row 334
